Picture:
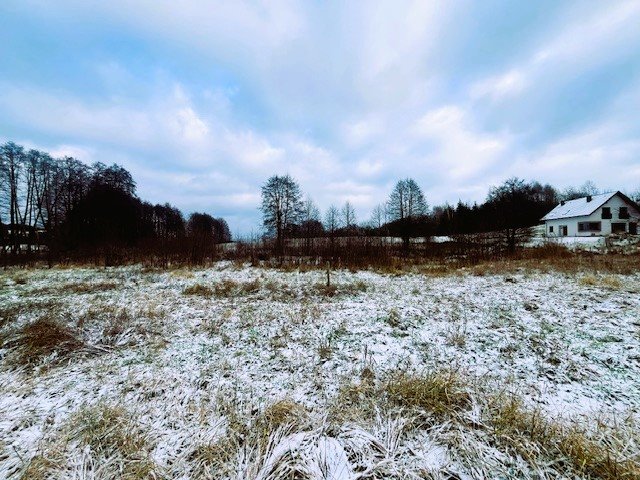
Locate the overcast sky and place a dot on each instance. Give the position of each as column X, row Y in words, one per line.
column 203, row 100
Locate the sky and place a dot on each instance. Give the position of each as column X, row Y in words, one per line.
column 203, row 100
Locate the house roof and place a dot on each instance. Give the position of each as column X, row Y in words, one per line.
column 579, row 207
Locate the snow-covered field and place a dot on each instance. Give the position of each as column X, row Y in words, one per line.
column 178, row 374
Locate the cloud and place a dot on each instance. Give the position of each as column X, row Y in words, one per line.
column 609, row 158
column 597, row 37
column 466, row 153
column 203, row 100
column 500, row 86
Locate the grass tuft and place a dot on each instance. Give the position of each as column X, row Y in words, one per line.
column 40, row 467
column 198, row 289
column 528, row 432
column 442, row 393
column 42, row 338
column 110, row 433
column 88, row 287
column 282, row 413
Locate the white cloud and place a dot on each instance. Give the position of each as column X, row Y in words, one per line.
column 509, row 83
column 461, row 151
column 593, row 38
column 599, row 152
column 345, row 98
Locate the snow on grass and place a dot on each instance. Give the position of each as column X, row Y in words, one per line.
column 251, row 373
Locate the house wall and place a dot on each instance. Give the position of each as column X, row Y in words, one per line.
column 572, row 223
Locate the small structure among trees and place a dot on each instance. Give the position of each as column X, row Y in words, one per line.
column 593, row 215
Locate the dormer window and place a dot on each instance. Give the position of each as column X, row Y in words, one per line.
column 606, row 212
column 624, row 213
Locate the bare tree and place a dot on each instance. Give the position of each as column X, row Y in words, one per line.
column 281, row 207
column 332, row 222
column 406, row 200
column 311, row 225
column 405, row 205
column 379, row 216
column 11, row 165
column 587, row 188
column 348, row 215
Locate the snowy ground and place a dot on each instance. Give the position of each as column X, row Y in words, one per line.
column 178, row 367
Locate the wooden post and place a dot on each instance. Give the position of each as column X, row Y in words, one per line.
column 328, row 274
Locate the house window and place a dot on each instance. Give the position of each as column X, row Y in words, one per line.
column 606, row 212
column 589, row 226
column 618, row 227
column 551, row 229
column 624, row 212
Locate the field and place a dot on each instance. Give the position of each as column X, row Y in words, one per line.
column 249, row 373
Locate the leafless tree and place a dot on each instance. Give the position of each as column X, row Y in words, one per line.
column 348, row 215
column 332, row 222
column 406, row 204
column 379, row 216
column 282, row 207
column 406, row 200
column 311, row 225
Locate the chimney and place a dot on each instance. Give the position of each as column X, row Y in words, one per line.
column 589, row 198
column 561, row 202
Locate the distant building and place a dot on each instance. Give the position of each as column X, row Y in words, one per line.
column 594, row 215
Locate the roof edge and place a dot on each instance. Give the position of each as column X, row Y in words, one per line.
column 612, row 194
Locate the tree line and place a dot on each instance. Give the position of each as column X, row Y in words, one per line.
column 507, row 213
column 62, row 208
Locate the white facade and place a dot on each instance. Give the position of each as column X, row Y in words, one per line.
column 595, row 223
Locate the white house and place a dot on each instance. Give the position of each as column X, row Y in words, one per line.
column 595, row 215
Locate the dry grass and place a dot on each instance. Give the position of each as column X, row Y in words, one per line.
column 529, row 433
column 605, row 281
column 212, row 460
column 442, row 393
column 611, row 282
column 9, row 314
column 75, row 288
column 42, row 466
column 335, row 289
column 601, row 451
column 225, row 288
column 43, row 338
column 109, row 432
column 182, row 273
column 327, row 290
column 252, row 286
column 393, row 318
column 280, row 414
column 245, row 431
column 198, row 289
column 88, row 287
column 116, row 325
column 531, row 260
column 456, row 337
column 19, row 279
column 325, row 350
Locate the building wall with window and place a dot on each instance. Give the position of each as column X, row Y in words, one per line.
column 607, row 219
